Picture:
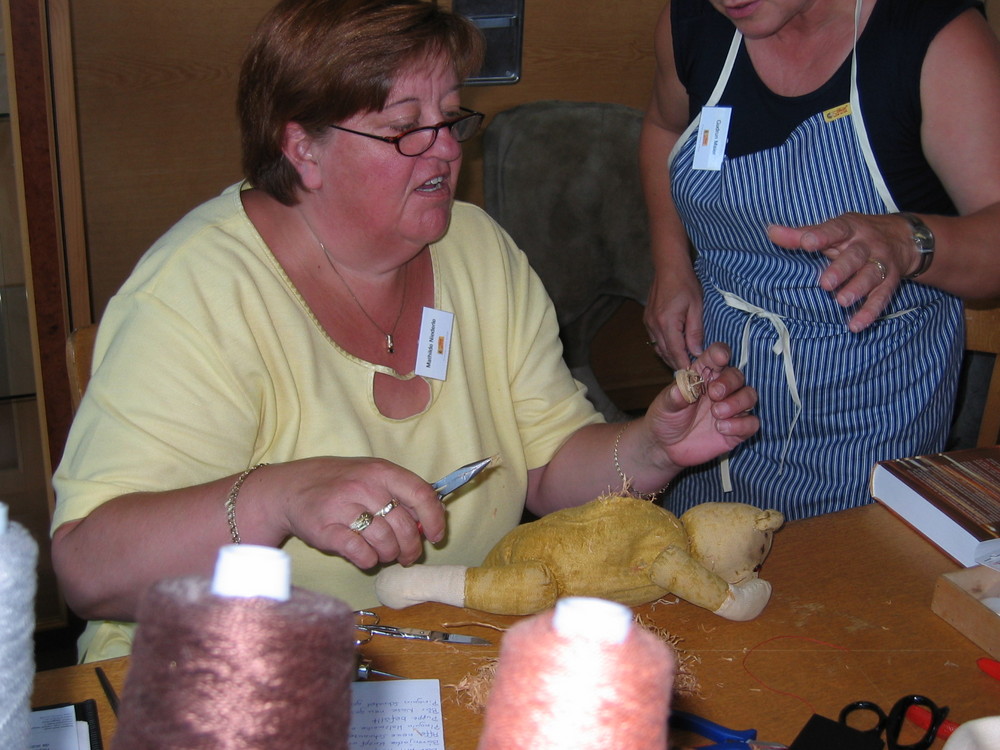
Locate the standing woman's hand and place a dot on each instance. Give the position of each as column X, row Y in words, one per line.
column 673, row 316
column 869, row 256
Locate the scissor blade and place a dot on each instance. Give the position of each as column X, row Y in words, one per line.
column 460, row 476
column 440, row 635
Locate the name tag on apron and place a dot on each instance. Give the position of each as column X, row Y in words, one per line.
column 713, row 132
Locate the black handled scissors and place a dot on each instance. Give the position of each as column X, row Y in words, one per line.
column 891, row 724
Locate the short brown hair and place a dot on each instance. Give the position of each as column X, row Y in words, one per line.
column 318, row 62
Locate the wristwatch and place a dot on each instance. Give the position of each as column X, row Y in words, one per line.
column 923, row 242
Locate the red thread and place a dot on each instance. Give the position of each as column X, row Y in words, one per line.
column 763, row 684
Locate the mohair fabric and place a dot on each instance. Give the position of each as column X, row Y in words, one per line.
column 579, row 691
column 227, row 673
column 616, row 547
column 603, row 548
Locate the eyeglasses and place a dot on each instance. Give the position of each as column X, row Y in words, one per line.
column 417, row 141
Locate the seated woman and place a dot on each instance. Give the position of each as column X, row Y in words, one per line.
column 262, row 376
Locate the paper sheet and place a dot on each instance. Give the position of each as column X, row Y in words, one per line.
column 396, row 714
column 58, row 729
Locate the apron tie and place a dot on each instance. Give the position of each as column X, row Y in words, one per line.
column 783, row 347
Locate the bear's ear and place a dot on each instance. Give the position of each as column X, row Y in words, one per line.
column 769, row 520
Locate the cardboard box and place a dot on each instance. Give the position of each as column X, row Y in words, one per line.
column 958, row 599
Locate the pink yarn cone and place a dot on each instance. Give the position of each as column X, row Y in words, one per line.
column 581, row 677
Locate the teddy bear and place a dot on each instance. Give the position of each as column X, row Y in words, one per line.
column 617, row 547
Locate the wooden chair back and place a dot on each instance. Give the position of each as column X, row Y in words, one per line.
column 79, row 355
column 982, row 334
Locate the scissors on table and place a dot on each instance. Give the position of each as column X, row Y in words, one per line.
column 369, row 623
column 891, row 724
column 726, row 738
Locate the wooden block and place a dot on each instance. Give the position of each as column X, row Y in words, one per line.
column 958, row 600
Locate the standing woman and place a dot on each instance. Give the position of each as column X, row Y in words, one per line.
column 266, row 376
column 833, row 167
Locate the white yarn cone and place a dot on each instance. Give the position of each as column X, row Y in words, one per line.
column 18, row 580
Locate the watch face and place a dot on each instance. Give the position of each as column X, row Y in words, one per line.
column 923, row 243
column 924, row 238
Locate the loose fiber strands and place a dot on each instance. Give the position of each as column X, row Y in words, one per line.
column 473, row 690
column 18, row 581
column 581, row 677
column 213, row 672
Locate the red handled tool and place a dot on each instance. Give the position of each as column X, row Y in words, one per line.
column 990, row 666
column 922, row 718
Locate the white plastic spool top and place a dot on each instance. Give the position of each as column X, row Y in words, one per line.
column 248, row 570
column 592, row 619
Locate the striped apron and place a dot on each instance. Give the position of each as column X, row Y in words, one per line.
column 831, row 402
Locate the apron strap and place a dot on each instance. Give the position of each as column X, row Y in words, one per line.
column 782, row 347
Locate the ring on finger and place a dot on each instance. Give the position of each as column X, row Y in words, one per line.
column 880, row 266
column 387, row 508
column 362, row 522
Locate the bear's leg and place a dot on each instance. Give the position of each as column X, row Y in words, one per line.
column 680, row 574
column 520, row 588
column 399, row 587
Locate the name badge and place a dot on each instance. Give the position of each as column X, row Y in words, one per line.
column 713, row 132
column 434, row 344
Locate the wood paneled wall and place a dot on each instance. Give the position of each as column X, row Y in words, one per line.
column 592, row 51
column 155, row 86
column 155, row 89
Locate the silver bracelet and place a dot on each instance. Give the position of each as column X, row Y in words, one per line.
column 626, row 488
column 234, row 492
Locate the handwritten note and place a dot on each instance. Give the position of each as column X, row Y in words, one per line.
column 391, row 714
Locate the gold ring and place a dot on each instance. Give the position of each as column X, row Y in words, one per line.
column 362, row 522
column 393, row 502
column 880, row 266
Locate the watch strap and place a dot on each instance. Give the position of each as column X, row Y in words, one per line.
column 923, row 242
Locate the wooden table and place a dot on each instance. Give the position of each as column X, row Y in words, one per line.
column 849, row 619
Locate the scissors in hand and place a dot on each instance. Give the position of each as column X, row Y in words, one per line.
column 460, row 476
column 445, row 485
column 451, row 482
column 891, row 724
column 369, row 623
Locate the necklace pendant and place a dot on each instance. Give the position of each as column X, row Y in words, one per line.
column 390, row 345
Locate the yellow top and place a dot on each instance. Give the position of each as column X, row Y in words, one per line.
column 208, row 361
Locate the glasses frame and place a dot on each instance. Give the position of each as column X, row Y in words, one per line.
column 450, row 124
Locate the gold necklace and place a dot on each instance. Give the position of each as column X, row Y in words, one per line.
column 390, row 344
